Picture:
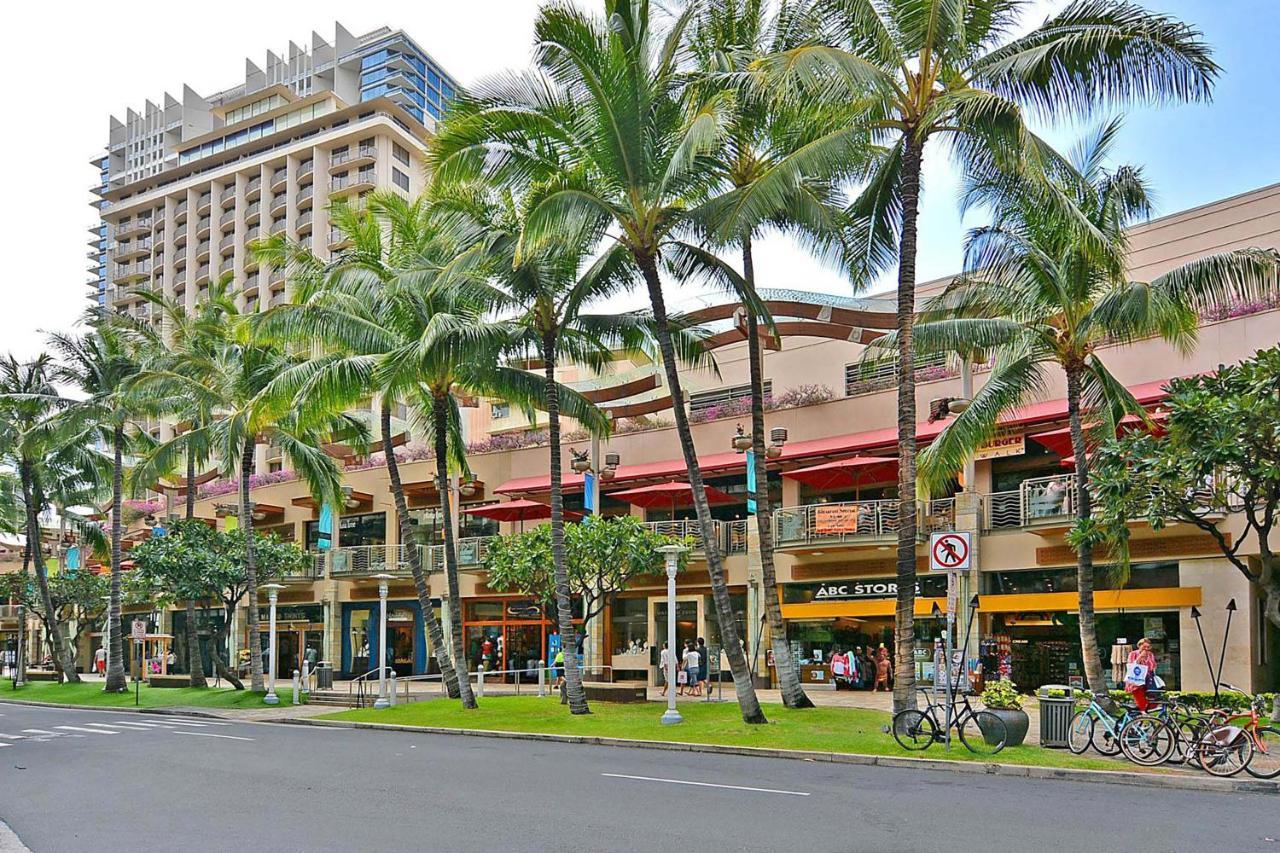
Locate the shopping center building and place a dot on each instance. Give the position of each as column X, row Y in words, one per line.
column 834, row 483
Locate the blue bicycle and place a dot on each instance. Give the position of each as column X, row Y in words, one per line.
column 1099, row 725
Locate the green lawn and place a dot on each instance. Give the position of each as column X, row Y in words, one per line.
column 91, row 694
column 850, row 730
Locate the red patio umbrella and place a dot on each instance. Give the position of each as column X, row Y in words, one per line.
column 520, row 511
column 669, row 496
column 854, row 472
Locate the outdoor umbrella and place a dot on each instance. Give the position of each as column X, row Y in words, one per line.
column 855, row 472
column 520, row 511
column 669, row 496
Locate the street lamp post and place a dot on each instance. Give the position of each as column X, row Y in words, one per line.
column 382, row 701
column 273, row 594
column 672, row 554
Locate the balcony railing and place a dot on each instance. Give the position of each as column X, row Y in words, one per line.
column 8, row 611
column 366, row 560
column 227, row 217
column 305, row 194
column 1035, row 501
column 227, row 193
column 847, row 521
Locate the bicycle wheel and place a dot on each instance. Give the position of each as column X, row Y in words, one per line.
column 1105, row 737
column 1147, row 741
column 914, row 730
column 984, row 733
column 1081, row 733
column 1224, row 751
column 1265, row 763
column 1188, row 732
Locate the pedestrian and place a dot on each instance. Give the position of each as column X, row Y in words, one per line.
column 557, row 668
column 1136, row 684
column 704, row 666
column 664, row 669
column 692, row 660
column 171, row 661
column 883, row 668
column 100, row 661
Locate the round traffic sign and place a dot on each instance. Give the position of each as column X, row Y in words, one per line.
column 950, row 551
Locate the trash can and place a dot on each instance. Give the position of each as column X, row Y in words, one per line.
column 324, row 675
column 1057, row 707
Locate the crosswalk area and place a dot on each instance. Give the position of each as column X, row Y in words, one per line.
column 112, row 727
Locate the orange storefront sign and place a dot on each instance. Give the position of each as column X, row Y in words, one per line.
column 835, row 518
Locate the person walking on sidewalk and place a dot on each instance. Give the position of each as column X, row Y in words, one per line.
column 1141, row 656
column 704, row 666
column 664, row 669
column 691, row 666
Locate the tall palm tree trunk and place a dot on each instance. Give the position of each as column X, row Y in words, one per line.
column 564, row 604
column 250, row 567
column 1084, row 553
column 438, row 646
column 748, row 702
column 33, row 498
column 116, row 680
column 220, row 642
column 793, row 695
column 904, row 695
column 195, row 664
column 440, row 412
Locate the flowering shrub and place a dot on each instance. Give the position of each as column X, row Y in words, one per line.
column 1240, row 308
column 226, row 487
column 730, row 409
column 132, row 510
column 801, row 395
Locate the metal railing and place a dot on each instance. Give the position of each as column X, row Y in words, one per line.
column 937, row 515
column 8, row 611
column 365, row 560
column 730, row 536
column 734, row 536
column 864, row 519
column 1036, row 500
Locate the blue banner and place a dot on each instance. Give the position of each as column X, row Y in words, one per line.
column 324, row 530
column 751, row 481
column 589, row 492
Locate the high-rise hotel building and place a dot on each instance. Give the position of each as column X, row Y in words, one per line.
column 188, row 186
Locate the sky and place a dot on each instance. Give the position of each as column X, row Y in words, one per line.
column 105, row 64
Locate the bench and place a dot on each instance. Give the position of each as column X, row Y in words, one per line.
column 42, row 675
column 600, row 691
column 156, row 680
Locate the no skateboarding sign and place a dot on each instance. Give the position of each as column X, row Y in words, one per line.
column 949, row 552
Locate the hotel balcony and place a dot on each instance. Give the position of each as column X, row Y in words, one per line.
column 227, row 265
column 227, row 218
column 253, row 189
column 277, row 225
column 338, row 239
column 202, row 228
column 279, row 179
column 131, row 272
column 253, row 213
column 202, row 274
column 304, row 222
column 202, row 251
column 131, row 249
column 304, row 196
column 226, row 242
column 123, row 230
column 204, row 203
column 354, row 156
column 227, row 194
column 363, row 180
column 180, row 212
column 306, row 172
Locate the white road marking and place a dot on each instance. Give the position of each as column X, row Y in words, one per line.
column 176, row 723
column 4, row 745
column 38, row 732
column 108, row 726
column 200, row 721
column 135, row 726
column 211, row 734
column 138, row 725
column 87, row 731
column 706, row 784
column 11, row 737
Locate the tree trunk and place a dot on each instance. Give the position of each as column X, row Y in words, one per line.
column 440, row 413
column 904, row 693
column 1093, row 671
column 447, row 670
column 748, row 702
column 250, row 568
column 117, row 682
column 215, row 652
column 793, row 695
column 195, row 664
column 564, row 604
column 33, row 498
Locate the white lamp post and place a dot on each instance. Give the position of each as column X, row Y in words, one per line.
column 273, row 593
column 382, row 701
column 672, row 554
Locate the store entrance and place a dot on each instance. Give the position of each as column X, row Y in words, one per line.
column 523, row 648
column 687, row 621
column 288, row 653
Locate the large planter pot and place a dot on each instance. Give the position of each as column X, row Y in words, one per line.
column 1016, row 723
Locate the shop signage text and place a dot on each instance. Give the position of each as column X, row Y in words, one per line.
column 846, row 590
column 835, row 518
column 1002, row 445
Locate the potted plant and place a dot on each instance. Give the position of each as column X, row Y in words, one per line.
column 1001, row 698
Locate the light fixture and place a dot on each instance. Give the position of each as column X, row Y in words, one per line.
column 817, row 553
column 611, row 462
column 348, row 499
column 882, row 548
column 741, row 441
column 467, row 489
column 578, row 461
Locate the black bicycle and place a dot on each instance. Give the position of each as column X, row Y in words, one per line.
column 982, row 732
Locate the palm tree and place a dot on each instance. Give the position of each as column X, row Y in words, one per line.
column 775, row 173
column 183, row 344
column 602, row 134
column 948, row 71
column 100, row 364
column 45, row 442
column 232, row 383
column 1042, row 290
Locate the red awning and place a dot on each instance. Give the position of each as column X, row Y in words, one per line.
column 1055, row 441
column 818, row 448
column 517, row 511
column 1059, row 440
column 669, row 495
column 854, row 472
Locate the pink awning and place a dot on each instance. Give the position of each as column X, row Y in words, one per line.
column 849, row 473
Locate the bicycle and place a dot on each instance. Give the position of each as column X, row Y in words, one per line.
column 1263, row 759
column 982, row 732
column 1085, row 725
column 1219, row 747
column 1168, row 733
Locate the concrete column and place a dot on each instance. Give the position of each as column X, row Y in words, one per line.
column 333, row 623
column 755, row 599
column 1219, row 582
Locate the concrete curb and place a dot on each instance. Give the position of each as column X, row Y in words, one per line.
column 1111, row 777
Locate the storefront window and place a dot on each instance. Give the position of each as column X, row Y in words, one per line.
column 359, row 638
column 431, row 525
column 629, row 625
column 739, row 604
column 1141, row 576
column 353, row 530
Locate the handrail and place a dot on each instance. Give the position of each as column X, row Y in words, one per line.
column 479, row 676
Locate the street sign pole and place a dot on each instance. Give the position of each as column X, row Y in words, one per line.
column 949, row 552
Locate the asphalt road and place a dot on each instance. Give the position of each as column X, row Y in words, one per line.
column 111, row 781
